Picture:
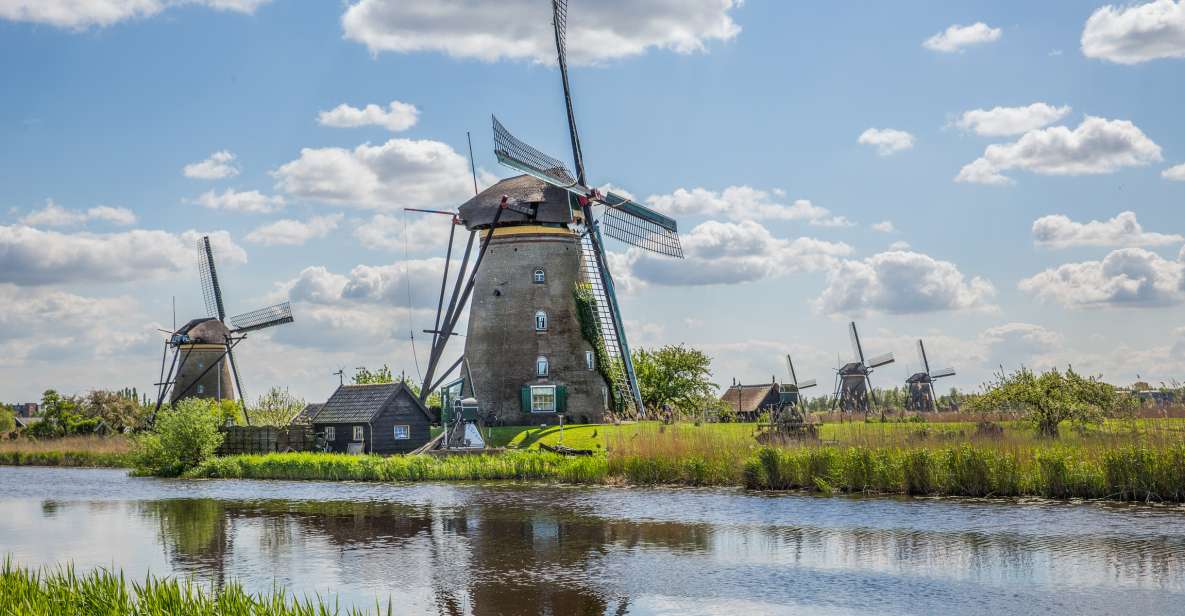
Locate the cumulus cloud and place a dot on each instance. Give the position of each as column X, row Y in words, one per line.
column 884, row 226
column 729, row 253
column 44, row 324
column 53, row 215
column 956, row 38
column 249, row 201
column 399, row 173
column 80, row 15
column 743, row 203
column 217, row 166
column 521, row 29
column 33, row 257
column 1125, row 277
column 899, row 245
column 902, row 282
column 416, row 234
column 397, row 117
column 1058, row 231
column 1175, row 173
column 1136, row 33
column 1097, row 146
column 888, row 141
column 289, row 232
column 1004, row 121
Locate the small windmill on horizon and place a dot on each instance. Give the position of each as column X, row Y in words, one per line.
column 920, row 385
column 853, row 388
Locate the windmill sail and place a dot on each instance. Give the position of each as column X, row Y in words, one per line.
column 880, row 360
column 790, row 367
column 517, row 154
column 855, row 339
column 943, row 372
column 640, row 226
column 211, row 291
column 922, row 356
column 807, row 383
column 262, row 318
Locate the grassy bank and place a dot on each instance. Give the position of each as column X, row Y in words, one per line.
column 63, row 591
column 86, row 451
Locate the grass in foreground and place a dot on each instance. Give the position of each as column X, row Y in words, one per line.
column 88, row 451
column 63, row 591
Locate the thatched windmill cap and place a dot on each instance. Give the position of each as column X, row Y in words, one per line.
column 206, row 330
column 523, row 191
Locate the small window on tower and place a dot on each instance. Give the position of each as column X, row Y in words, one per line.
column 540, row 276
column 201, row 389
column 590, row 360
column 541, row 366
column 540, row 321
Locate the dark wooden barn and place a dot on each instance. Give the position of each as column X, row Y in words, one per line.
column 749, row 401
column 384, row 418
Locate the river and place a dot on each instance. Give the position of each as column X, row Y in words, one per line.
column 528, row 548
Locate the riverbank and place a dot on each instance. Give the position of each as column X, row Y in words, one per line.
column 61, row 590
column 82, row 451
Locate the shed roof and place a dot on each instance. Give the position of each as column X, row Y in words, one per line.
column 750, row 396
column 306, row 415
column 357, row 403
column 523, row 189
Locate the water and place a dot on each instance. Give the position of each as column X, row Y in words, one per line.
column 526, row 549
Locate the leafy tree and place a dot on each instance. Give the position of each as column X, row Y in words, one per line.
column 117, row 409
column 367, row 377
column 1050, row 398
column 185, row 435
column 276, row 408
column 676, row 375
column 7, row 419
column 60, row 416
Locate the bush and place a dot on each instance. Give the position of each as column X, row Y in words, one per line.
column 184, row 436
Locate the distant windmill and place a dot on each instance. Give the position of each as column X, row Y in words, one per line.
column 922, row 396
column 201, row 345
column 853, row 389
column 791, row 391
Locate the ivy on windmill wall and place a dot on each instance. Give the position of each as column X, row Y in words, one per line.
column 586, row 312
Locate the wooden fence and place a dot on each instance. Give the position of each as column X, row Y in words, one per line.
column 265, row 439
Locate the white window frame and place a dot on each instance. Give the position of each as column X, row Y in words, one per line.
column 539, row 276
column 401, row 432
column 542, row 366
column 200, row 389
column 359, row 433
column 540, row 321
column 330, row 433
column 543, row 390
column 590, row 360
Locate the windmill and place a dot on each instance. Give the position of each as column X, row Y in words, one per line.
column 853, row 389
column 200, row 346
column 791, row 391
column 542, row 239
column 922, row 396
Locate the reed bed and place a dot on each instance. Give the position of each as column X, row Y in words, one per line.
column 43, row 592
column 87, row 451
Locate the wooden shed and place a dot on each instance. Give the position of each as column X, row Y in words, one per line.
column 749, row 401
column 383, row 418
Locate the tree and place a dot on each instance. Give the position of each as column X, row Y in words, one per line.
column 674, row 375
column 7, row 419
column 185, row 435
column 119, row 410
column 1050, row 398
column 60, row 416
column 276, row 408
column 367, row 377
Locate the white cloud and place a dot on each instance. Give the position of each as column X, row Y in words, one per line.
column 1136, row 33
column 1003, row 121
column 1097, row 146
column 397, row 117
column 743, row 203
column 1175, row 173
column 217, row 166
column 423, row 233
column 289, row 232
column 83, row 14
column 899, row 245
column 521, row 29
column 1058, row 231
column 399, row 173
column 34, row 257
column 39, row 325
column 955, row 38
column 729, row 253
column 250, row 201
column 902, row 282
column 884, row 226
column 888, row 141
column 1125, row 277
column 53, row 215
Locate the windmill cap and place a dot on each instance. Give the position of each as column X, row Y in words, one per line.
column 552, row 203
column 205, row 330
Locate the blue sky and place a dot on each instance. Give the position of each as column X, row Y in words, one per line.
column 781, row 135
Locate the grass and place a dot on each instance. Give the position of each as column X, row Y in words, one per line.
column 88, row 451
column 45, row 592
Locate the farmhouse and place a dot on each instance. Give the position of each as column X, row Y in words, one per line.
column 749, row 401
column 382, row 418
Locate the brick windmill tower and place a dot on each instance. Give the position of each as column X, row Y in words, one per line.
column 545, row 332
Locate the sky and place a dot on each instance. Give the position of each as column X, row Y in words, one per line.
column 1002, row 179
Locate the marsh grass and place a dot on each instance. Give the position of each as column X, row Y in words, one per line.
column 47, row 592
column 88, row 451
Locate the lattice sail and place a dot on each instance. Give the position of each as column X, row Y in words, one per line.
column 633, row 224
column 262, row 318
column 516, row 154
column 211, row 292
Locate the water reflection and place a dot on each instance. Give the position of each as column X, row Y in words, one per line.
column 467, row 549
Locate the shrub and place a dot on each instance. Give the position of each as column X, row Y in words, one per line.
column 184, row 436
